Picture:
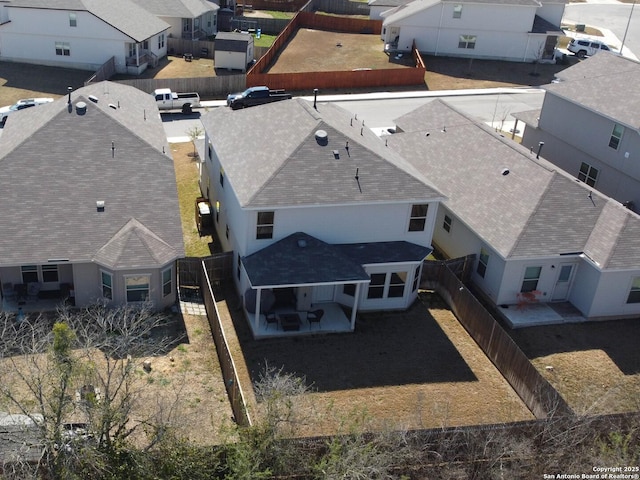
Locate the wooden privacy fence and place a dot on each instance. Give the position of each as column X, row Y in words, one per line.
column 334, row 79
column 205, row 86
column 208, row 273
column 534, row 390
column 198, row 48
column 105, row 72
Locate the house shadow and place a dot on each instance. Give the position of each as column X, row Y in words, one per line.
column 617, row 338
column 386, row 349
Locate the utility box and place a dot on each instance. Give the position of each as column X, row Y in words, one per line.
column 204, row 220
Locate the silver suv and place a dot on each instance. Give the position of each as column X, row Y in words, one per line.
column 583, row 47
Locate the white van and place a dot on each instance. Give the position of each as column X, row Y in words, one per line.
column 21, row 105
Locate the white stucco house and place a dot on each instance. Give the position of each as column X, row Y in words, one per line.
column 538, row 233
column 89, row 206
column 82, row 34
column 319, row 213
column 590, row 129
column 514, row 30
column 188, row 19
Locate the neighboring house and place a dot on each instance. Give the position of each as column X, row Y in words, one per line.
column 589, row 128
column 82, row 34
column 538, row 234
column 377, row 7
column 89, row 201
column 319, row 213
column 189, row 19
column 514, row 30
column 233, row 50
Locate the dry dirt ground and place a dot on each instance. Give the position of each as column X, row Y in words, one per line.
column 184, row 386
column 413, row 369
column 595, row 366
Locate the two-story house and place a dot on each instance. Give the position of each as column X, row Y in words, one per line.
column 82, row 34
column 89, row 202
column 538, row 233
column 589, row 125
column 189, row 19
column 514, row 30
column 319, row 212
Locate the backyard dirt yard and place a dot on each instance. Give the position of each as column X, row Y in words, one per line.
column 594, row 366
column 321, row 51
column 413, row 369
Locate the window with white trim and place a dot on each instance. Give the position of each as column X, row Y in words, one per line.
column 29, row 273
column 457, row 11
column 588, row 174
column 107, row 284
column 50, row 273
column 467, row 41
column 167, row 281
column 483, row 261
column 447, row 223
column 63, row 48
column 376, row 287
column 531, row 278
column 73, row 20
column 264, row 228
column 634, row 292
column 616, row 136
column 416, row 279
column 137, row 288
column 396, row 284
column 418, row 219
column 161, row 41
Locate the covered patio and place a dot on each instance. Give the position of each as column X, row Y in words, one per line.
column 294, row 277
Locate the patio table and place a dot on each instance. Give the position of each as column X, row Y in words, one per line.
column 289, row 321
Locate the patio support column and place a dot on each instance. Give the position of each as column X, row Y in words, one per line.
column 354, row 311
column 256, row 320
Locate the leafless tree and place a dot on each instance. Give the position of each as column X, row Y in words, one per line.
column 74, row 375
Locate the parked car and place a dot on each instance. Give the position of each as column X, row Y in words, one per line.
column 21, row 105
column 583, row 47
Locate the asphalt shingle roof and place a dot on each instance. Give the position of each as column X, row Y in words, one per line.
column 582, row 84
column 533, row 210
column 177, row 8
column 56, row 163
column 280, row 162
column 123, row 15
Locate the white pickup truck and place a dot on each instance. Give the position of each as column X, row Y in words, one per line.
column 168, row 100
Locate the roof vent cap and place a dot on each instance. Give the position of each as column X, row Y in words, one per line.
column 302, row 243
column 322, row 137
column 100, row 205
column 113, row 106
column 505, row 171
column 81, row 108
column 93, row 98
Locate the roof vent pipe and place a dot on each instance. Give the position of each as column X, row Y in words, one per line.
column 540, row 145
column 315, row 98
column 81, row 108
column 69, row 90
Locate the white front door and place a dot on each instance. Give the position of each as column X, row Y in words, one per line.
column 563, row 282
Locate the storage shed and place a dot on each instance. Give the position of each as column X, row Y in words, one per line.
column 233, row 50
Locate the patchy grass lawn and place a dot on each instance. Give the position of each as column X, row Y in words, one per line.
column 186, row 167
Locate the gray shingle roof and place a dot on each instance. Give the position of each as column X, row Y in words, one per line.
column 232, row 42
column 272, row 158
column 55, row 164
column 588, row 84
column 301, row 259
column 177, row 8
column 408, row 9
column 534, row 210
column 123, row 15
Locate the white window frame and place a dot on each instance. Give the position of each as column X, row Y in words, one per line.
column 104, row 286
column 47, row 269
column 127, row 289
column 161, row 41
column 63, row 49
column 483, row 262
column 165, row 283
column 634, row 291
column 446, row 224
column 467, row 41
column 73, row 19
column 418, row 220
column 616, row 137
column 264, row 226
column 530, row 279
column 588, row 177
column 29, row 269
column 457, row 11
